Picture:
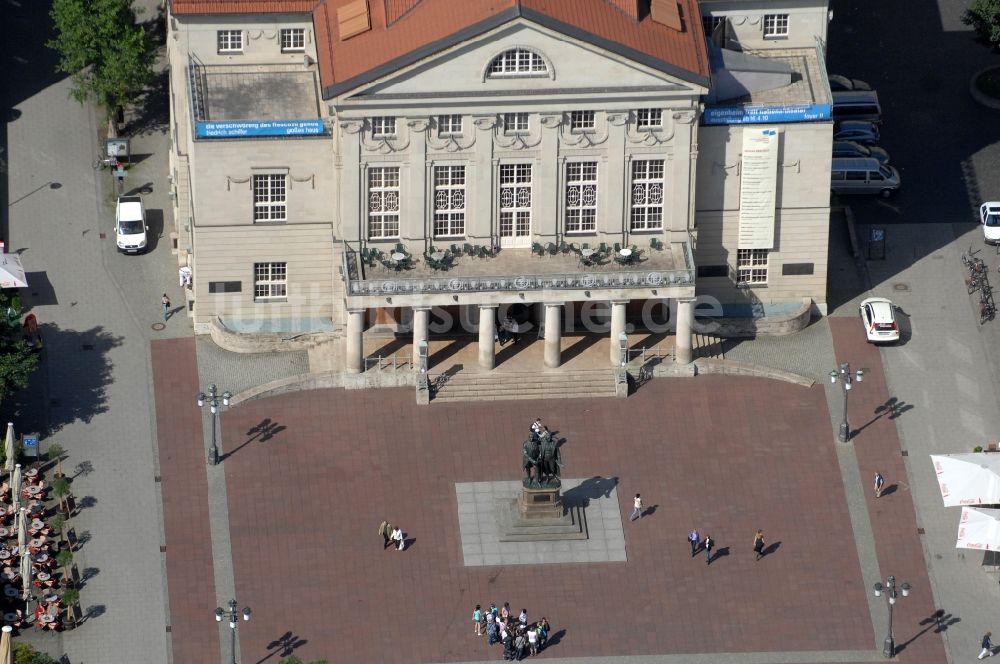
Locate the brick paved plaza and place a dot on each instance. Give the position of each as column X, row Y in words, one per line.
column 726, row 455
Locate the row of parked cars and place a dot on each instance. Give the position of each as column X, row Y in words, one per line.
column 859, row 165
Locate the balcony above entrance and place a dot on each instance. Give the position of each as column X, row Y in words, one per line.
column 462, row 274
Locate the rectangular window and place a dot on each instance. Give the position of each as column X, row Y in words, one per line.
column 775, row 25
column 293, row 40
column 515, row 200
column 581, row 197
column 648, row 118
column 582, row 121
column 515, row 123
column 449, row 201
column 647, row 194
column 384, row 126
column 230, row 41
column 270, row 281
column 269, row 202
column 449, row 125
column 751, row 266
column 383, row 202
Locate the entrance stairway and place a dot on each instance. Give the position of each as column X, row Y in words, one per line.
column 503, row 385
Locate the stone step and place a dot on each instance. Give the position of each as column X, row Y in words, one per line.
column 529, row 379
column 572, row 526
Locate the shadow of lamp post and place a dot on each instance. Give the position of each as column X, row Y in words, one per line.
column 889, row 646
column 220, row 613
column 212, row 398
column 846, row 380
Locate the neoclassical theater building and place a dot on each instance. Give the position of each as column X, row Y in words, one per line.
column 349, row 165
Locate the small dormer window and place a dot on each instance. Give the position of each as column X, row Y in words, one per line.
column 517, row 62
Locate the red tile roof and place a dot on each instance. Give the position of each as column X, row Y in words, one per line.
column 403, row 31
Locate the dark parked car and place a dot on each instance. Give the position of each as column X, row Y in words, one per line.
column 858, row 131
column 855, row 149
column 840, row 83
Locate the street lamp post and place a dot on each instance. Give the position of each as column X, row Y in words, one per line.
column 889, row 646
column 220, row 613
column 846, row 380
column 212, row 398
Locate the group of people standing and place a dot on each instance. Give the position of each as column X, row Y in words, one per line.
column 517, row 634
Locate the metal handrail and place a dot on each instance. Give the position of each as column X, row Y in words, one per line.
column 382, row 363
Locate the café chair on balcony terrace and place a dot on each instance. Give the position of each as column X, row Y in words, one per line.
column 537, row 248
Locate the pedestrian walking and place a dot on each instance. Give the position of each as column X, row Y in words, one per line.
column 477, row 617
column 523, row 618
column 987, row 646
column 505, row 611
column 758, row 544
column 695, row 541
column 385, row 530
column 519, row 644
column 494, row 611
column 879, row 483
column 636, row 508
column 397, row 536
column 708, row 544
column 165, row 301
column 533, row 639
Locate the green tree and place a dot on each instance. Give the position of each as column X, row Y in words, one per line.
column 984, row 17
column 25, row 653
column 107, row 54
column 17, row 361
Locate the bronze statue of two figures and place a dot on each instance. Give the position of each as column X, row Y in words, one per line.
column 542, row 461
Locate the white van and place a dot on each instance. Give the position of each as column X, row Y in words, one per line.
column 856, row 105
column 863, row 176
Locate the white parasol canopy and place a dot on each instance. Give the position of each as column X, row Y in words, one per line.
column 22, row 529
column 968, row 479
column 979, row 528
column 25, row 575
column 12, row 272
column 8, row 447
column 6, row 648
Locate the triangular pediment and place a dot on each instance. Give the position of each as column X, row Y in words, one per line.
column 572, row 67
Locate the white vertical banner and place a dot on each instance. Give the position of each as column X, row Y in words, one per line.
column 758, row 180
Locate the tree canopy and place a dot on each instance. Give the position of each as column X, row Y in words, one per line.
column 100, row 45
column 984, row 17
column 17, row 359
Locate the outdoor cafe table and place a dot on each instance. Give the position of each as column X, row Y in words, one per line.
column 11, row 591
column 36, row 508
column 33, row 490
column 9, row 617
column 6, row 532
column 51, row 597
column 42, row 558
column 4, row 554
column 46, row 619
column 37, row 542
column 43, row 576
column 37, row 524
column 31, row 473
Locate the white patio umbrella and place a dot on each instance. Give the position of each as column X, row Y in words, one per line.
column 6, row 647
column 25, row 576
column 8, row 447
column 968, row 479
column 22, row 530
column 979, row 528
column 15, row 487
column 12, row 272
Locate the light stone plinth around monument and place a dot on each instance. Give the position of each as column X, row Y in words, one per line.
column 480, row 532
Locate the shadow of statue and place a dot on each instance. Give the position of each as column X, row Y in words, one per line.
column 590, row 489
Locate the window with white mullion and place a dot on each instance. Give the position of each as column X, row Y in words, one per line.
column 293, row 40
column 449, row 125
column 515, row 200
column 582, row 121
column 269, row 202
column 515, row 123
column 517, row 62
column 383, row 126
column 383, row 202
column 230, row 41
column 648, row 118
column 751, row 266
column 647, row 195
column 270, row 281
column 449, row 201
column 775, row 25
column 581, row 197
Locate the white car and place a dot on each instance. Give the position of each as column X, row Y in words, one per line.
column 130, row 225
column 989, row 217
column 878, row 315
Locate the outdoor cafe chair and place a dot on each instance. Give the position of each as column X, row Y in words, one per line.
column 537, row 248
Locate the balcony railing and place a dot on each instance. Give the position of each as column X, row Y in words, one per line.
column 453, row 284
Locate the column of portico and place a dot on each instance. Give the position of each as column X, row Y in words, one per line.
column 487, row 335
column 354, row 341
column 421, row 319
column 553, row 334
column 682, row 340
column 617, row 328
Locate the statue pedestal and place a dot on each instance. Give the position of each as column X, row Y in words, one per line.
column 540, row 504
column 538, row 515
